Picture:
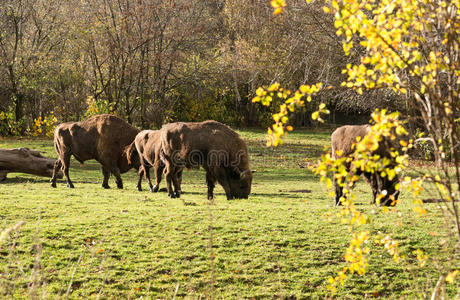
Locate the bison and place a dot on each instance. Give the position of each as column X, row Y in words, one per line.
column 343, row 140
column 105, row 138
column 147, row 151
column 212, row 145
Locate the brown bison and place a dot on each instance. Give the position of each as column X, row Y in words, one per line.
column 343, row 140
column 105, row 138
column 147, row 151
column 212, row 145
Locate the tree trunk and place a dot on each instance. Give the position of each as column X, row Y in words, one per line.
column 24, row 160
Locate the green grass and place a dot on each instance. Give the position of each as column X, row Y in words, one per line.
column 284, row 241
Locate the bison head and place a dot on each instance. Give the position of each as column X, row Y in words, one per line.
column 240, row 184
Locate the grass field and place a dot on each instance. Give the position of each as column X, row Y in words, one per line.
column 282, row 242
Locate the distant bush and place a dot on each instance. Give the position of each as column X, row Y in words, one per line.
column 9, row 125
column 45, row 126
column 97, row 107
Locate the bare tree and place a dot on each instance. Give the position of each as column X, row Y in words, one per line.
column 30, row 33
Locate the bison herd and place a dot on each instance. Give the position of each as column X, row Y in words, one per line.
column 118, row 147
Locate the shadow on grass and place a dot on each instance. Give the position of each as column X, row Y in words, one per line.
column 297, row 191
column 164, row 191
column 285, row 195
column 15, row 180
column 435, row 200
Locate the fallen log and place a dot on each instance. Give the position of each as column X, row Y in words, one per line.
column 24, row 160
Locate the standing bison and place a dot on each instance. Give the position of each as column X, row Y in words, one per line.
column 212, row 145
column 105, row 138
column 343, row 140
column 147, row 151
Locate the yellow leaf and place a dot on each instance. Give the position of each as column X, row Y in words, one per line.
column 451, row 276
column 277, row 3
column 277, row 11
column 304, row 89
column 274, row 87
column 260, row 92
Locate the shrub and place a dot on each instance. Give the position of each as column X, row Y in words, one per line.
column 9, row 125
column 45, row 126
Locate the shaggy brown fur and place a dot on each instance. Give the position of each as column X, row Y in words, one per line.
column 148, row 146
column 104, row 138
column 343, row 139
column 215, row 147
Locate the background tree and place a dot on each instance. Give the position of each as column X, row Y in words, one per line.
column 30, row 33
column 153, row 62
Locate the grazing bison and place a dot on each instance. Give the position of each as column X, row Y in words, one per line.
column 105, row 138
column 147, row 151
column 343, row 140
column 212, row 145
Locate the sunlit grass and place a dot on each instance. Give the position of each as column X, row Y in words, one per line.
column 284, row 241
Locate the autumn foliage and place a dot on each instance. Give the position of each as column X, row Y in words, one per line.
column 410, row 48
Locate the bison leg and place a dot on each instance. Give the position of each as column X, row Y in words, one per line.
column 338, row 192
column 228, row 191
column 158, row 167
column 223, row 176
column 372, row 180
column 65, row 159
column 169, row 178
column 147, row 176
column 116, row 173
column 105, row 181
column 176, row 183
column 57, row 166
column 179, row 181
column 211, row 182
column 376, row 185
column 140, row 173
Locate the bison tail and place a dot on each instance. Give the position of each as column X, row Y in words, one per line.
column 130, row 152
column 56, row 146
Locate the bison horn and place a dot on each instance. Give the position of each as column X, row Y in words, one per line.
column 244, row 174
